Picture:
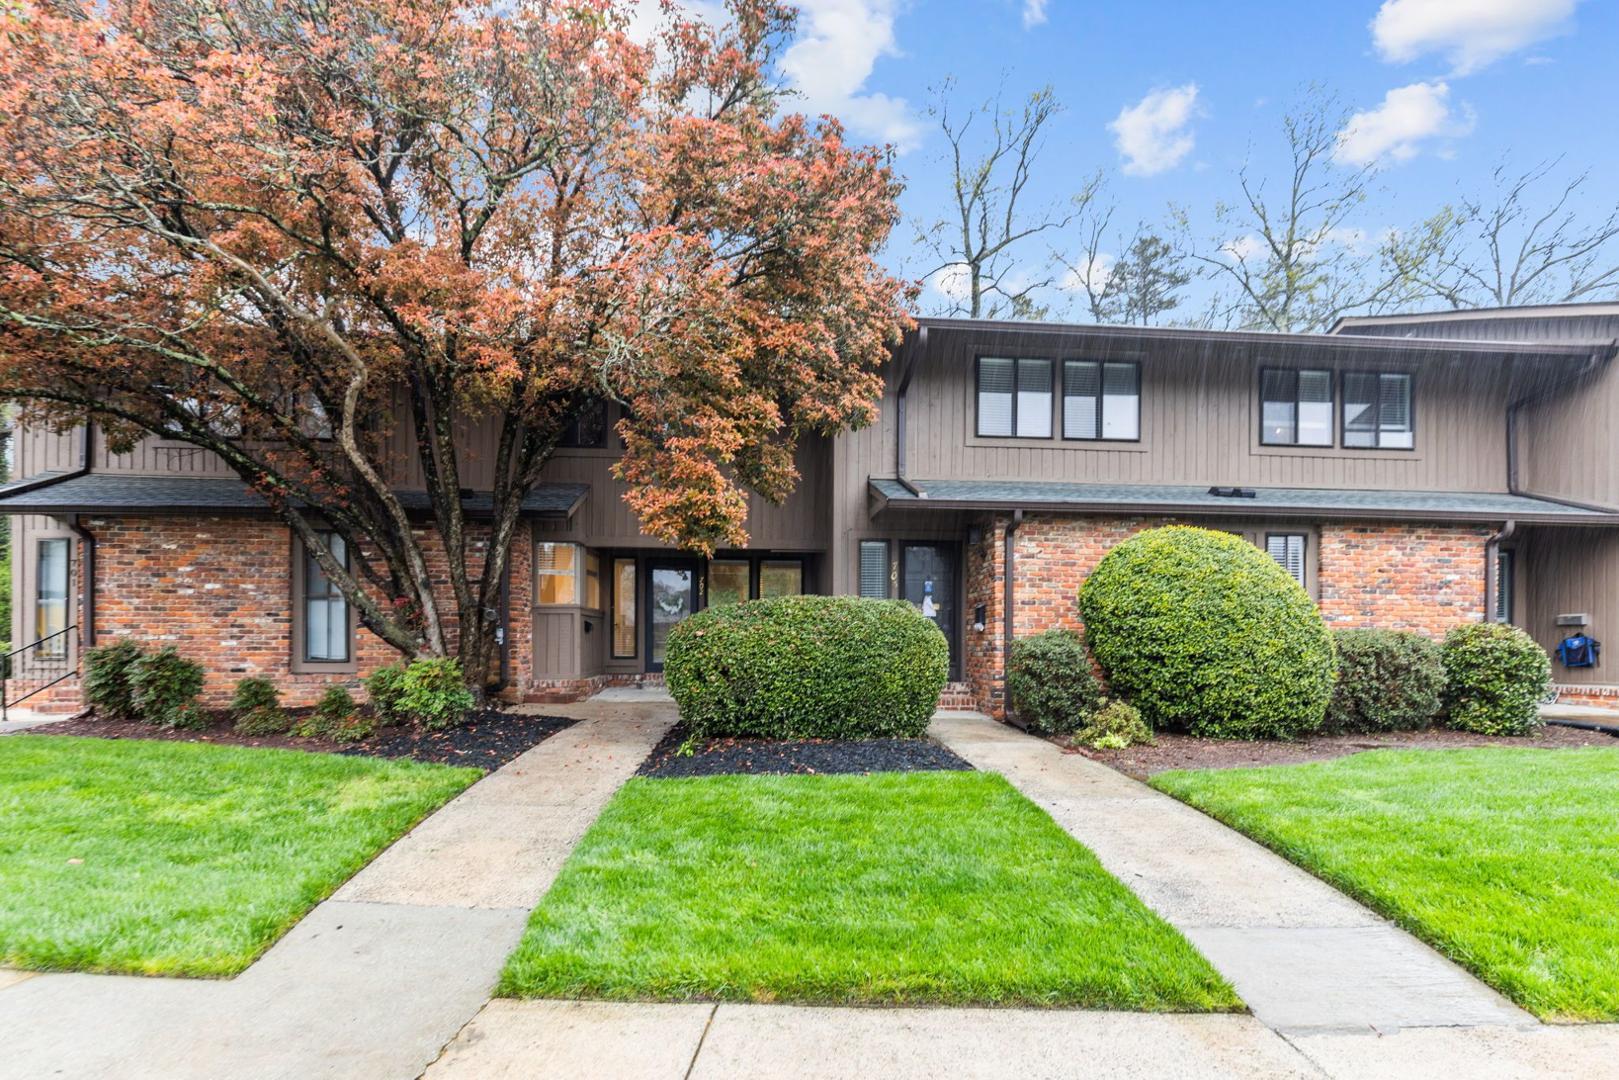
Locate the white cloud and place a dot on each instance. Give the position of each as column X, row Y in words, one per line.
column 1034, row 13
column 954, row 282
column 1095, row 273
column 839, row 42
column 1397, row 129
column 1243, row 247
column 1153, row 135
column 1469, row 33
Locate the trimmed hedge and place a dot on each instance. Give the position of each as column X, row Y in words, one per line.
column 107, row 673
column 164, row 687
column 1049, row 681
column 1495, row 677
column 807, row 667
column 256, row 705
column 1388, row 680
column 1202, row 631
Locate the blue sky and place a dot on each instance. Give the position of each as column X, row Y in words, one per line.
column 1475, row 83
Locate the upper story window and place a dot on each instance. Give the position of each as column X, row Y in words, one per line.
column 588, row 429
column 1101, row 400
column 1014, row 397
column 1295, row 407
column 1377, row 411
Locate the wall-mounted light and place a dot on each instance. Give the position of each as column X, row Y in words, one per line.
column 975, row 535
column 979, row 614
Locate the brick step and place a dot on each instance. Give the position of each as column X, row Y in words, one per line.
column 957, row 695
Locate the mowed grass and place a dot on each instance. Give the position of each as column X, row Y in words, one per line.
column 170, row 858
column 1505, row 860
column 945, row 887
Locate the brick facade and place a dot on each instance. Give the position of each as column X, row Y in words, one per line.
column 220, row 590
column 1427, row 578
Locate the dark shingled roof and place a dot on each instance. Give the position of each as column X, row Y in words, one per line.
column 108, row 493
column 1267, row 502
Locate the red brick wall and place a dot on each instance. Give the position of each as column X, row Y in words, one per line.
column 1410, row 577
column 1402, row 577
column 219, row 589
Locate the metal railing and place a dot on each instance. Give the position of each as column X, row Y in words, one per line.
column 37, row 666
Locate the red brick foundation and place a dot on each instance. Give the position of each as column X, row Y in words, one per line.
column 1427, row 578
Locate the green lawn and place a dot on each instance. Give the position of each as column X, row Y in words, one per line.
column 944, row 887
column 1505, row 860
column 172, row 858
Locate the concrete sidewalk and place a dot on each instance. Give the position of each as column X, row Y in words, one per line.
column 1306, row 958
column 373, row 982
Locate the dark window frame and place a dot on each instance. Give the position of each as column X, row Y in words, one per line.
column 571, row 439
column 62, row 647
column 1506, row 584
column 635, row 608
column 1333, row 387
column 1101, row 395
column 1377, row 406
column 1053, row 366
column 888, row 568
column 301, row 661
column 1304, row 553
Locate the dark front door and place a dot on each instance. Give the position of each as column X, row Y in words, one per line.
column 928, row 579
column 671, row 596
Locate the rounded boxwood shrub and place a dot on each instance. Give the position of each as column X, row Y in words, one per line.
column 1115, row 726
column 385, row 687
column 808, row 667
column 1495, row 677
column 1049, row 681
column 1388, row 680
column 107, row 671
column 1202, row 631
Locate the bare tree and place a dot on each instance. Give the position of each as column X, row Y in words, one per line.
column 1139, row 287
column 1291, row 259
column 976, row 243
column 1513, row 246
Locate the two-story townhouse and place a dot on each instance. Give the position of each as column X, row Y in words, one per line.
column 1411, row 473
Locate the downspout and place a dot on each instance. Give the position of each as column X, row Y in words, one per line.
column 87, row 543
column 1009, row 596
column 504, row 629
column 899, row 411
column 1492, row 551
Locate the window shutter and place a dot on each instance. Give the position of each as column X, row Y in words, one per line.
column 874, row 569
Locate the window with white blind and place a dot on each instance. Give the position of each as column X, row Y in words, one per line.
column 1014, row 397
column 1101, row 400
column 1288, row 550
column 874, row 569
column 1295, row 407
column 50, row 595
column 1378, row 411
column 326, row 631
column 1504, row 579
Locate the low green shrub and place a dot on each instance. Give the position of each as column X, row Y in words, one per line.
column 434, row 693
column 107, row 672
column 256, row 706
column 1204, row 632
column 164, row 687
column 1495, row 677
column 335, row 716
column 385, row 687
column 802, row 667
column 1049, row 681
column 1114, row 727
column 1388, row 680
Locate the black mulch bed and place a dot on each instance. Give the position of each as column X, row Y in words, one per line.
column 489, row 738
column 783, row 757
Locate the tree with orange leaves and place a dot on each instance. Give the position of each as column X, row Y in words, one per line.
column 280, row 229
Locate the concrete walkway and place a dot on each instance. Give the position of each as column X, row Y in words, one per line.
column 1305, row 958
column 373, row 982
